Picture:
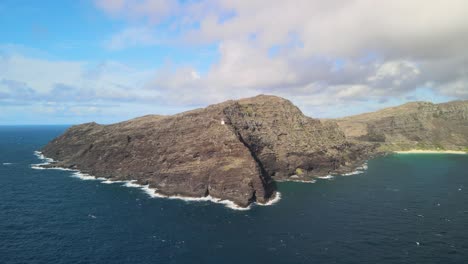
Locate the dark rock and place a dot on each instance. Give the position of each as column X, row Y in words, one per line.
column 417, row 125
column 287, row 142
column 231, row 150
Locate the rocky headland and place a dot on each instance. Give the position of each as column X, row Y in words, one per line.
column 412, row 126
column 236, row 150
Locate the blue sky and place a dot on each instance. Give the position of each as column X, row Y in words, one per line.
column 77, row 31
column 67, row 62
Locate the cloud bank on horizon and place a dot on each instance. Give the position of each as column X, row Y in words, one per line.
column 109, row 60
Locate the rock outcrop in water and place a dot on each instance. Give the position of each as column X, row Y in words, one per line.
column 235, row 150
column 417, row 125
column 231, row 150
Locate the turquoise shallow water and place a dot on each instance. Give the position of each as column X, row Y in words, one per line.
column 403, row 209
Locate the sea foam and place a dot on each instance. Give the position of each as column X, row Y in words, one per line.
column 352, row 173
column 359, row 170
column 46, row 161
column 152, row 192
column 107, row 181
column 43, row 158
column 132, row 184
column 303, row 181
column 86, row 177
column 272, row 201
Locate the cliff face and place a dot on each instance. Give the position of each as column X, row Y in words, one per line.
column 190, row 154
column 288, row 143
column 230, row 150
column 418, row 125
column 235, row 150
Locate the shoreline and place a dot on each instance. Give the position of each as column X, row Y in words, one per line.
column 313, row 179
column 420, row 151
column 152, row 192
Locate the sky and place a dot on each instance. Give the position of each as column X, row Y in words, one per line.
column 69, row 62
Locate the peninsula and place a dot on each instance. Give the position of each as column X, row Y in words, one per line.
column 236, row 150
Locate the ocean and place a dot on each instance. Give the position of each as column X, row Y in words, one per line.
column 402, row 209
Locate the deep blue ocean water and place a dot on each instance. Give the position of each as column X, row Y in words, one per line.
column 403, row 209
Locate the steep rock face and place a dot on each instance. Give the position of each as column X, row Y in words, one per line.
column 230, row 150
column 190, row 154
column 414, row 125
column 288, row 143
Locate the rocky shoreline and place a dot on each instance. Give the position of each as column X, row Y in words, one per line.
column 50, row 164
column 235, row 151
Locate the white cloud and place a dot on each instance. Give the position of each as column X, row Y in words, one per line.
column 151, row 10
column 247, row 66
column 457, row 89
column 354, row 49
column 344, row 28
column 33, row 79
column 132, row 37
column 350, row 91
column 402, row 70
column 195, row 75
column 43, row 73
column 317, row 53
column 42, row 91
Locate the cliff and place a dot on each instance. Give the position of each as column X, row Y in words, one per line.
column 416, row 125
column 236, row 150
column 233, row 150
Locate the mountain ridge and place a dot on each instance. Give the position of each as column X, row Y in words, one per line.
column 414, row 125
column 237, row 149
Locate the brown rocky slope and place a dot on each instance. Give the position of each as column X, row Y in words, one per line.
column 416, row 125
column 233, row 150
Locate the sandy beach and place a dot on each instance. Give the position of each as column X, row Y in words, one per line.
column 420, row 151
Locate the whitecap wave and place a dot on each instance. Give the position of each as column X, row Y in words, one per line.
column 152, row 192
column 61, row 169
column 132, row 184
column 272, row 201
column 7, row 163
column 86, row 177
column 352, row 173
column 326, row 177
column 363, row 167
column 359, row 170
column 37, row 167
column 229, row 204
column 46, row 161
column 108, row 181
column 42, row 157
